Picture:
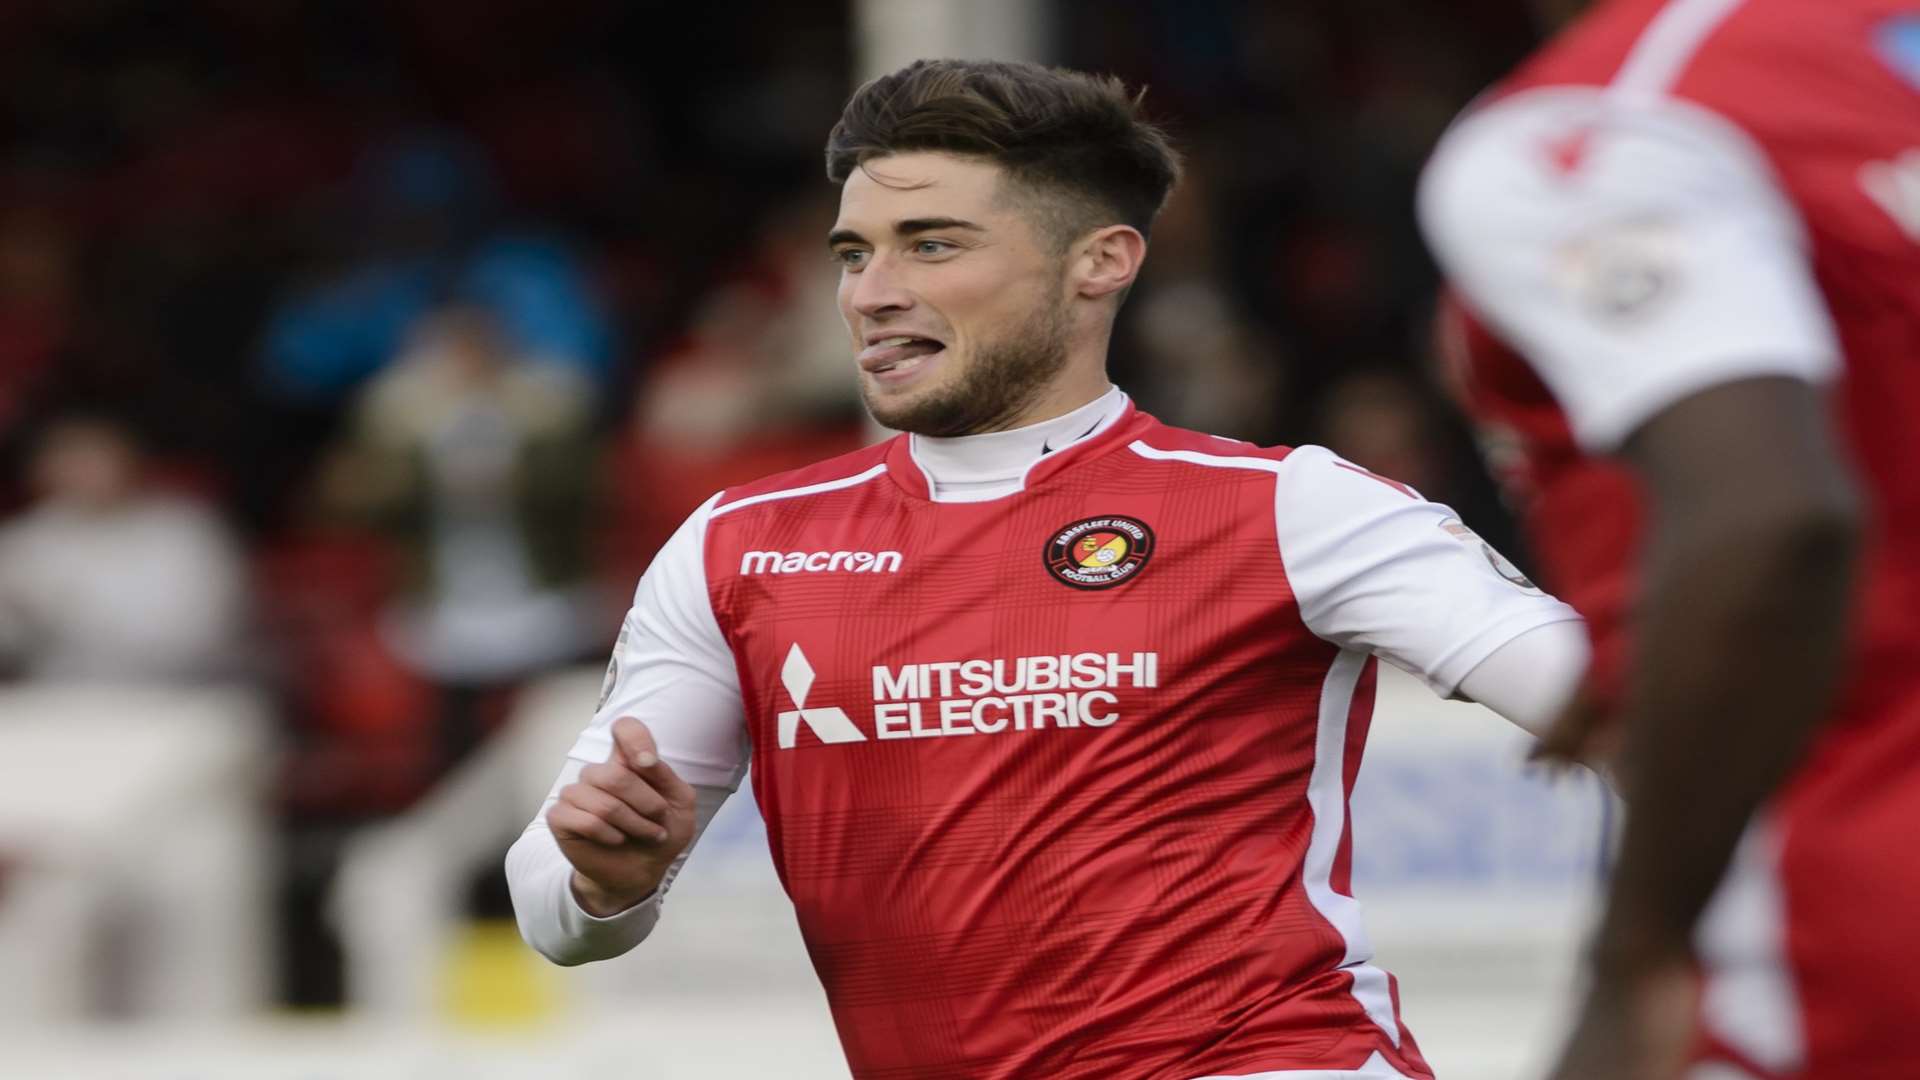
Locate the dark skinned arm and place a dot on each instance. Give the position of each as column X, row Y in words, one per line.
column 1741, row 629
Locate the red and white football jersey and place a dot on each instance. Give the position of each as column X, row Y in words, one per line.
column 1674, row 195
column 1057, row 781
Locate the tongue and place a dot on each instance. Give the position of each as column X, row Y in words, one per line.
column 888, row 355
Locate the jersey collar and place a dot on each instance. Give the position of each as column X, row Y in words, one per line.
column 1023, row 455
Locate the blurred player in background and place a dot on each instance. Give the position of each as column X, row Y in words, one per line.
column 1053, row 710
column 110, row 576
column 1685, row 248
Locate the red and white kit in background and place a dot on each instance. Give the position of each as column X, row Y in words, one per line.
column 1057, row 780
column 1671, row 196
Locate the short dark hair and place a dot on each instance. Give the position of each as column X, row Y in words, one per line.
column 1077, row 137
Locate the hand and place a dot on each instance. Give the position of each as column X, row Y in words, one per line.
column 623, row 822
column 1585, row 733
column 1634, row 1027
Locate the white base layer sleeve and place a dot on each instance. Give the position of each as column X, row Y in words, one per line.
column 541, row 881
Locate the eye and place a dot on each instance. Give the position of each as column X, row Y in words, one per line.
column 931, row 247
column 850, row 258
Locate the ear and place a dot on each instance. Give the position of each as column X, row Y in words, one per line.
column 1105, row 261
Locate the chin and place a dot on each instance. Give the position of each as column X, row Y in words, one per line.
column 896, row 416
column 924, row 412
column 900, row 409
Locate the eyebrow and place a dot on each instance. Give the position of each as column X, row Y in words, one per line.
column 905, row 227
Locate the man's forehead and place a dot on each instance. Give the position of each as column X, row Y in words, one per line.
column 919, row 185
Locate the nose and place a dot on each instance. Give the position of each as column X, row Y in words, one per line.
column 877, row 290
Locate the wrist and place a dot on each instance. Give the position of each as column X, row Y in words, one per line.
column 603, row 903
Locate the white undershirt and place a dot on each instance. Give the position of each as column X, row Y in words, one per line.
column 976, row 468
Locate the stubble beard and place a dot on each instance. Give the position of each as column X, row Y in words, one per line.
column 1004, row 378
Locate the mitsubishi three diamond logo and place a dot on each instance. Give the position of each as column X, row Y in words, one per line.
column 831, row 725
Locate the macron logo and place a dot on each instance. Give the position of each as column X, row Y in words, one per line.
column 819, row 562
column 829, row 725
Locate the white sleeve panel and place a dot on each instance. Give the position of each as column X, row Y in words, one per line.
column 1650, row 259
column 1377, row 568
column 672, row 668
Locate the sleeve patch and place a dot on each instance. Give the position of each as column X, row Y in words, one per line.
column 1624, row 273
column 1501, row 565
column 613, row 670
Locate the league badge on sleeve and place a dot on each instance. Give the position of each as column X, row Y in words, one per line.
column 1502, row 565
column 1098, row 552
column 612, row 678
column 1621, row 273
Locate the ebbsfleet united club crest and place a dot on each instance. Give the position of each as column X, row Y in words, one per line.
column 1099, row 552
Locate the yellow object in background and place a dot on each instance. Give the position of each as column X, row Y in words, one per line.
column 493, row 980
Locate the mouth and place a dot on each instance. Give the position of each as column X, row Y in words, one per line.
column 898, row 355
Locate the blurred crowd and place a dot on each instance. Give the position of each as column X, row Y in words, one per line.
column 1288, row 297
column 365, row 351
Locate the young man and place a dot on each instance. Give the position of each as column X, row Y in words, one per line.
column 1685, row 242
column 1053, row 710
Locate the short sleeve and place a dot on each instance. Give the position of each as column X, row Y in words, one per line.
column 672, row 669
column 1635, row 251
column 1376, row 568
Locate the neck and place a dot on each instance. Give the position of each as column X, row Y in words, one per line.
column 988, row 465
column 1057, row 401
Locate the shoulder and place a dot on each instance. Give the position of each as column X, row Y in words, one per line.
column 1298, row 475
column 1548, row 161
column 1163, row 443
column 1634, row 250
column 833, row 474
column 1297, row 467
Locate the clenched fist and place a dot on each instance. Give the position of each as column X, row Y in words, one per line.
column 623, row 822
